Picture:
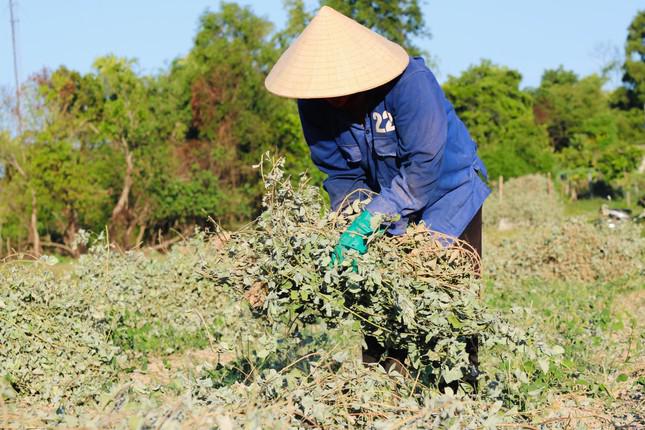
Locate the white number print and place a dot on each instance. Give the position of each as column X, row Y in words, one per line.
column 389, row 122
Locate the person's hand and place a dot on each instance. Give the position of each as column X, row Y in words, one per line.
column 354, row 237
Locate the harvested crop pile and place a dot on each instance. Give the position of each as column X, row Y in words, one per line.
column 151, row 303
column 525, row 202
column 575, row 250
column 335, row 393
column 407, row 292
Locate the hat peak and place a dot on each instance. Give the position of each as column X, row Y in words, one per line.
column 328, row 11
column 333, row 56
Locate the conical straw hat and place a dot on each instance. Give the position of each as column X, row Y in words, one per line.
column 335, row 56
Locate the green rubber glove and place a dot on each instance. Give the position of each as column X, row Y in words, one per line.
column 354, row 237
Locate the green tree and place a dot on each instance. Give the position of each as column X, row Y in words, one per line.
column 563, row 103
column 400, row 21
column 128, row 123
column 559, row 76
column 499, row 117
column 630, row 98
column 26, row 209
column 230, row 119
column 18, row 209
column 68, row 189
column 111, row 117
column 632, row 95
column 587, row 136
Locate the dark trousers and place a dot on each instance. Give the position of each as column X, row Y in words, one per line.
column 473, row 236
column 374, row 353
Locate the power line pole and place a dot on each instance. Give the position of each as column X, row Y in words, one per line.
column 15, row 64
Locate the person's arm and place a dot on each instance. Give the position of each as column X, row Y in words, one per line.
column 417, row 105
column 343, row 178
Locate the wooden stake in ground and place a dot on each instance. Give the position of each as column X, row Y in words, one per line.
column 500, row 186
column 33, row 226
column 549, row 184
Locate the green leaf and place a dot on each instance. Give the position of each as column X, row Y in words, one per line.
column 452, row 375
column 454, row 321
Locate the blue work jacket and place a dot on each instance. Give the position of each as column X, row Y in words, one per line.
column 411, row 149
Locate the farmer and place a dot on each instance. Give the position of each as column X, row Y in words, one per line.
column 375, row 118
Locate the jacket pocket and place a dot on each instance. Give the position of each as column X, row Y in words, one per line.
column 387, row 164
column 351, row 153
column 385, row 146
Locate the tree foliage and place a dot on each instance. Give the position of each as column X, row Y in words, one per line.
column 400, row 21
column 583, row 130
column 150, row 157
column 632, row 95
column 229, row 117
column 499, row 118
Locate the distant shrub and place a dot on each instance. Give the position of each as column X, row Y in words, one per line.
column 525, row 202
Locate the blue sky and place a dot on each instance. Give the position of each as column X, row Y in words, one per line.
column 526, row 35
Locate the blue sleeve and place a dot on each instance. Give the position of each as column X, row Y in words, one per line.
column 343, row 178
column 417, row 105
